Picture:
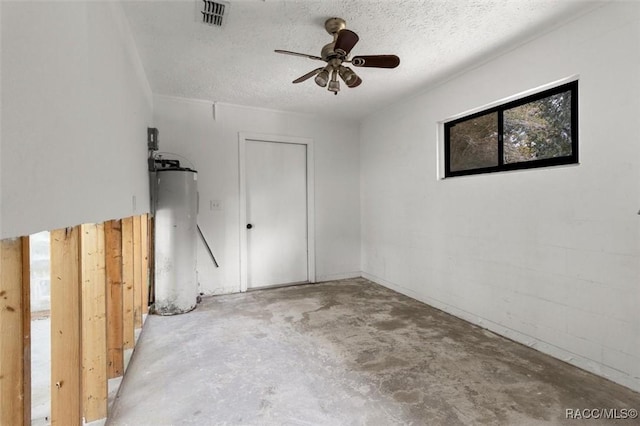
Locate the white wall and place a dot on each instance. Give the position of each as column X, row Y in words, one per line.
column 547, row 257
column 75, row 108
column 187, row 127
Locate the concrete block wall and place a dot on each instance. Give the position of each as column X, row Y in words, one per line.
column 548, row 257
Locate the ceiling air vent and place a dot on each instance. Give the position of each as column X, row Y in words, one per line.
column 212, row 12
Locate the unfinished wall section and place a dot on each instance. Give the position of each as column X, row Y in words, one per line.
column 90, row 346
column 15, row 333
column 189, row 129
column 75, row 108
column 548, row 257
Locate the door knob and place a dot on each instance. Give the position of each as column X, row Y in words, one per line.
column 249, row 226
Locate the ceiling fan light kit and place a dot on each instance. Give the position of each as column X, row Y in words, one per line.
column 336, row 53
column 350, row 78
column 322, row 78
column 334, row 86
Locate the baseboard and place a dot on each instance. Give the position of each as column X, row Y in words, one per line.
column 340, row 276
column 219, row 291
column 530, row 341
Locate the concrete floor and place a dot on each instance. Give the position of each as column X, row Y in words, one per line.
column 347, row 352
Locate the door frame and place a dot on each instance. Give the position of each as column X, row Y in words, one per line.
column 243, row 137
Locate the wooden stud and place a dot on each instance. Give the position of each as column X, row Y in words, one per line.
column 26, row 330
column 128, row 337
column 137, row 272
column 113, row 266
column 15, row 322
column 144, row 237
column 152, row 259
column 94, row 323
column 66, row 333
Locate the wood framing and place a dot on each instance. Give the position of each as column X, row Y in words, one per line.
column 152, row 259
column 113, row 267
column 15, row 330
column 128, row 324
column 26, row 330
column 94, row 323
column 144, row 238
column 66, row 333
column 99, row 280
column 137, row 272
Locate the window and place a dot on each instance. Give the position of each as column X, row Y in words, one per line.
column 537, row 131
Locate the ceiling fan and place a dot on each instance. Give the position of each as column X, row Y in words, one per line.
column 336, row 53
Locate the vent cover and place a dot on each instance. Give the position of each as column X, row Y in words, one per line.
column 212, row 12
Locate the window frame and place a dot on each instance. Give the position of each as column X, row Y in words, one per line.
column 500, row 109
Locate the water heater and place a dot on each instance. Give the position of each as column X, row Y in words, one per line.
column 176, row 209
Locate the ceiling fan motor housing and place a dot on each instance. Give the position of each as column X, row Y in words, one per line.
column 327, row 52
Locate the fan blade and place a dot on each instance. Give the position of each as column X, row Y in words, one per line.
column 307, row 76
column 376, row 61
column 357, row 83
column 345, row 41
column 304, row 55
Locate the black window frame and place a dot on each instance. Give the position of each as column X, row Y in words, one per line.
column 501, row 167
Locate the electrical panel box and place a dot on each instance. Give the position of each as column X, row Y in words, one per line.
column 152, row 138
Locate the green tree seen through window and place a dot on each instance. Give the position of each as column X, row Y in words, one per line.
column 536, row 131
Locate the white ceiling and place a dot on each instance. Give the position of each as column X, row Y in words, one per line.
column 236, row 63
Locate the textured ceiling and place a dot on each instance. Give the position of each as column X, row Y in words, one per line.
column 236, row 63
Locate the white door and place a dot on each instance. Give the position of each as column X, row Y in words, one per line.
column 276, row 213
